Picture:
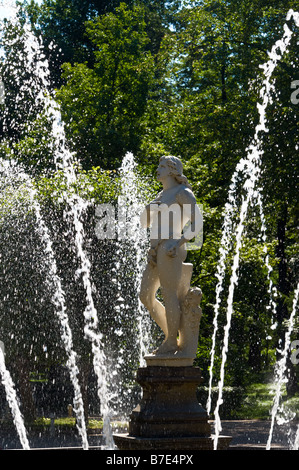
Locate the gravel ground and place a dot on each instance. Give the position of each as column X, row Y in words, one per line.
column 246, row 435
column 254, row 434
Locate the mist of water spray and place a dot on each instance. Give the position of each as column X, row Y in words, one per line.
column 66, row 336
column 100, row 362
column 296, row 441
column 13, row 175
column 75, row 207
column 132, row 201
column 13, row 402
column 229, row 313
column 281, row 367
column 252, row 167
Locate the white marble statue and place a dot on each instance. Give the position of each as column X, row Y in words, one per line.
column 179, row 314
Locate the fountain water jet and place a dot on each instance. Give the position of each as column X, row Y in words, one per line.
column 91, row 326
column 64, row 160
column 296, row 442
column 7, row 381
column 252, row 171
column 132, row 200
column 58, row 297
column 233, row 282
column 59, row 302
column 74, row 214
column 13, row 402
column 272, row 290
column 281, row 367
column 230, row 209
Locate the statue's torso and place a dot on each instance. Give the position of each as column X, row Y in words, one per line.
column 168, row 222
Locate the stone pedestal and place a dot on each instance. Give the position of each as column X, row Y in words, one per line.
column 169, row 416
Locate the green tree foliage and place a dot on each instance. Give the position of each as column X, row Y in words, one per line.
column 206, row 111
column 103, row 105
column 160, row 78
column 24, row 121
column 62, row 25
column 19, row 107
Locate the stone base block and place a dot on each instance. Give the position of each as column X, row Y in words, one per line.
column 169, row 406
column 168, row 361
column 169, row 415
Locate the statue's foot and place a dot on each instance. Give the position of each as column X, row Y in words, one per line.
column 166, row 348
column 183, row 353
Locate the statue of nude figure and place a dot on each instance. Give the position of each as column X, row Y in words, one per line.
column 167, row 216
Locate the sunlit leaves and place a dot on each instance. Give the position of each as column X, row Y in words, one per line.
column 103, row 106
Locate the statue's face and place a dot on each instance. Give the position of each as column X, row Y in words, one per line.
column 162, row 171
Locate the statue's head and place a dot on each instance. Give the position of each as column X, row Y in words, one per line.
column 175, row 168
column 174, row 164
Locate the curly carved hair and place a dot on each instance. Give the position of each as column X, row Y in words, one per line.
column 176, row 169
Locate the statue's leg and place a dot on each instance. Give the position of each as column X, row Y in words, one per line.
column 170, row 273
column 149, row 285
column 185, row 281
